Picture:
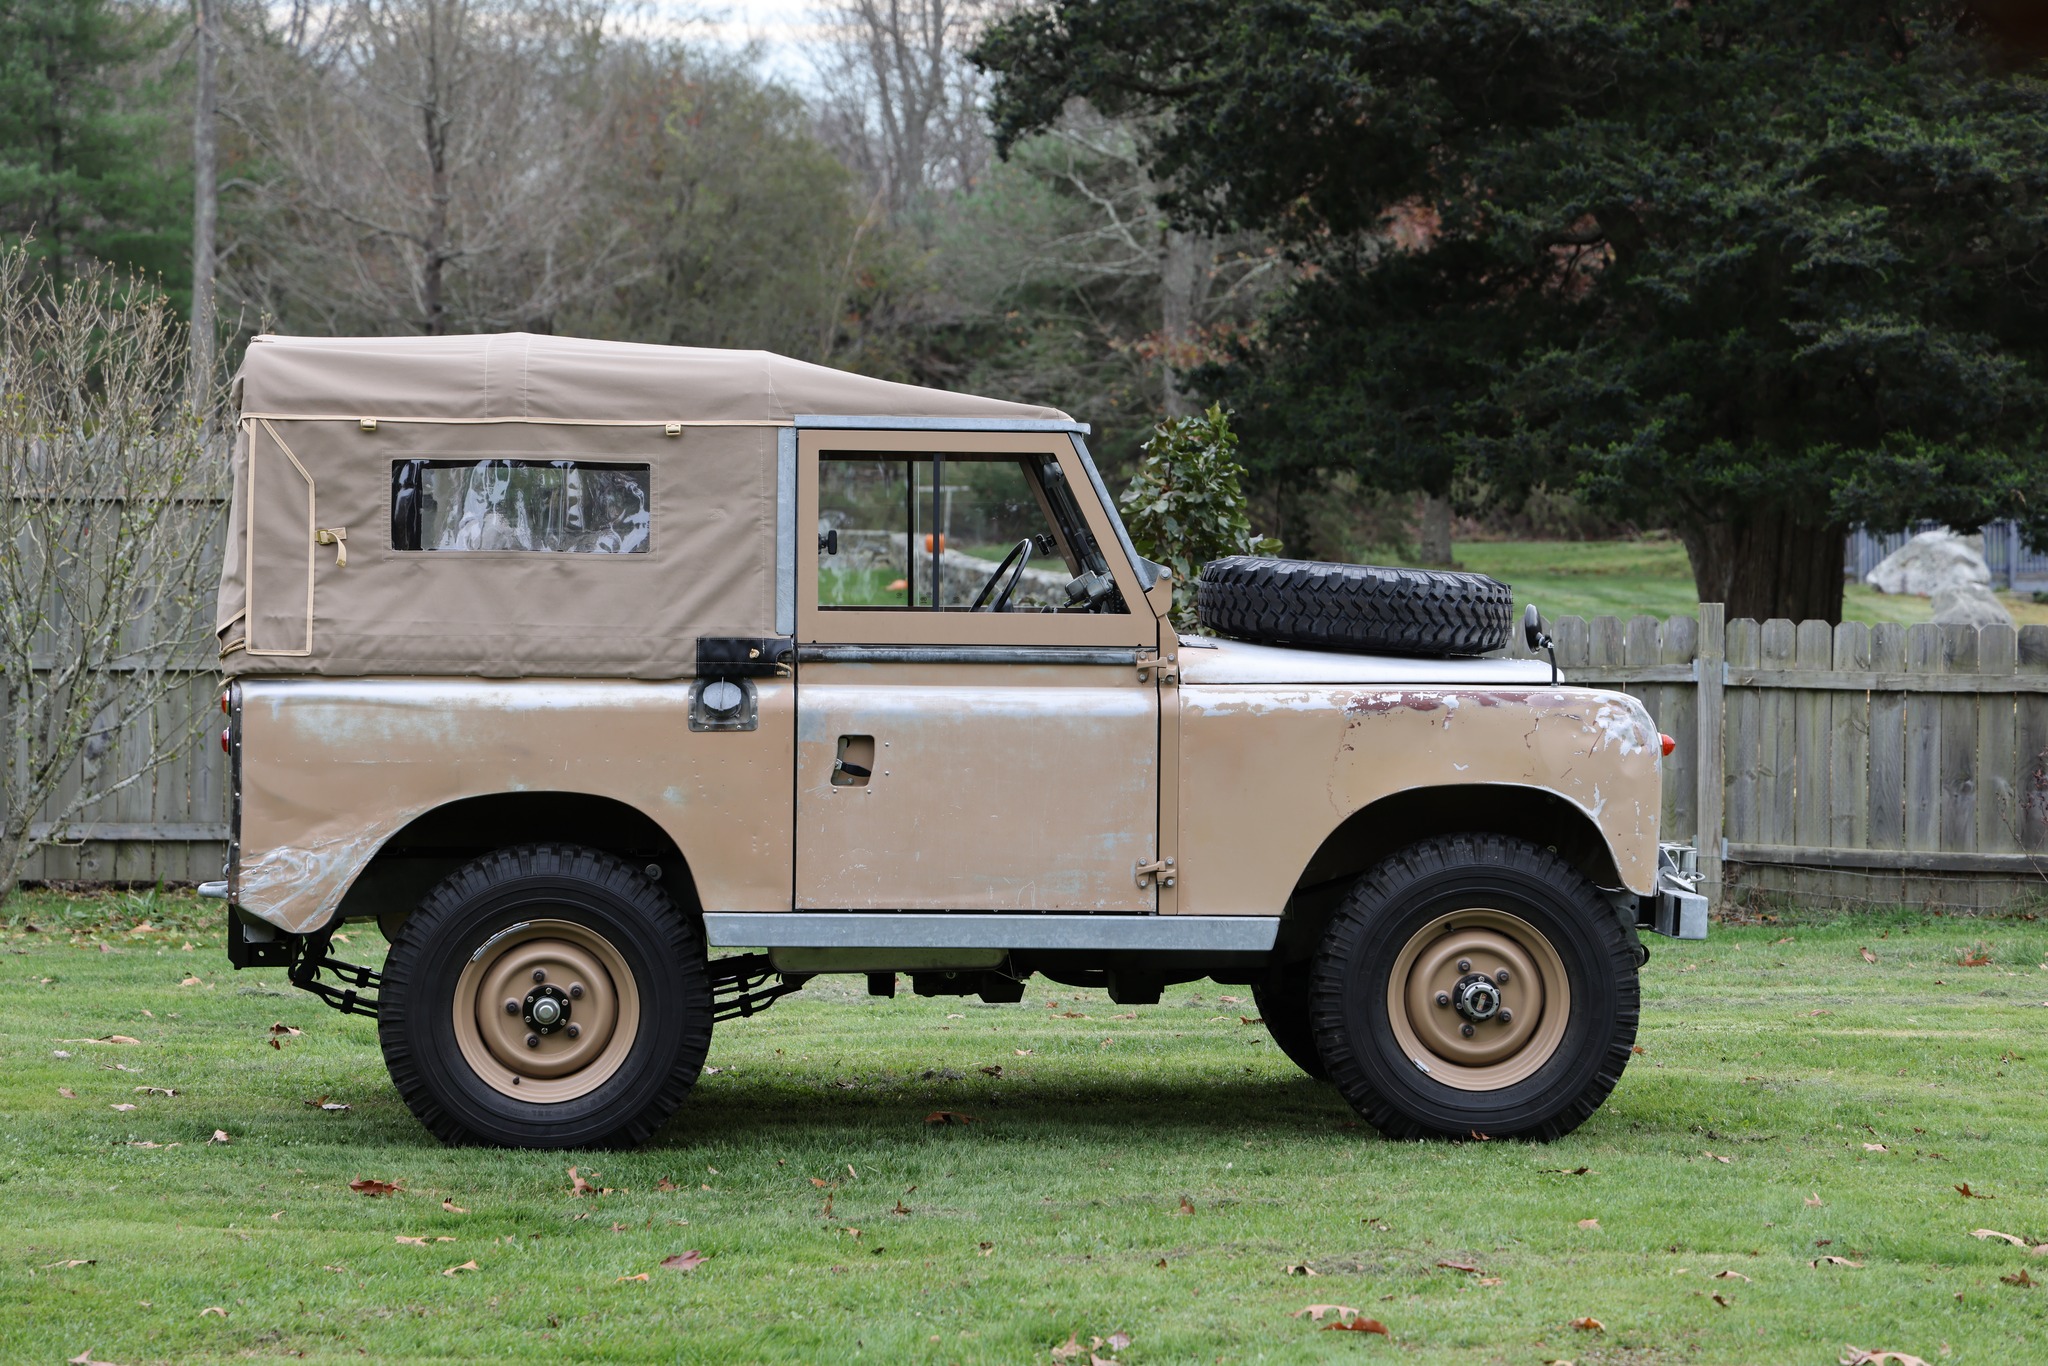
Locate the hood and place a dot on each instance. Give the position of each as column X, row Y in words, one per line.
column 1207, row 659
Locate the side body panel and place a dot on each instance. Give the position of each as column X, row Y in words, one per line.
column 331, row 769
column 1004, row 787
column 1268, row 771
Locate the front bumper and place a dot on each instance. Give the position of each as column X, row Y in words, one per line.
column 1677, row 910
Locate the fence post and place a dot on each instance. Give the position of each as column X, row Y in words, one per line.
column 1709, row 670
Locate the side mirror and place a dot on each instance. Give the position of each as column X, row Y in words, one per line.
column 1532, row 628
column 829, row 543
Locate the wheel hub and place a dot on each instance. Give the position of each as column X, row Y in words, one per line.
column 546, row 1011
column 1478, row 999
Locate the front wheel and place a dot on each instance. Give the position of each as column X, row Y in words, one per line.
column 545, row 996
column 1475, row 984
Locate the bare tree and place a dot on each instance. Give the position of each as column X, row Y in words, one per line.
column 430, row 162
column 905, row 105
column 205, row 188
column 111, row 488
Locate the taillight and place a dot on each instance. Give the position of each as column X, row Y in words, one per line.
column 1669, row 743
column 223, row 704
column 225, row 747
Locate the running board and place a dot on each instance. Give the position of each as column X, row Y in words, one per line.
column 962, row 930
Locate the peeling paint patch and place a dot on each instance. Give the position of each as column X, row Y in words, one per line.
column 296, row 886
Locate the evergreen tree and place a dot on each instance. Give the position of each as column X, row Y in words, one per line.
column 1753, row 269
column 80, row 140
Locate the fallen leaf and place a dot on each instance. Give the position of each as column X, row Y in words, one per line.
column 1858, row 1357
column 469, row 1265
column 1068, row 1350
column 1968, row 1194
column 641, row 1277
column 1875, row 1148
column 1718, row 1158
column 452, row 1207
column 683, row 1261
column 213, row 1309
column 124, row 1107
column 1301, row 1269
column 1187, row 1206
column 1315, row 1312
column 1561, row 1171
column 1161, row 1263
column 2020, row 1278
column 995, row 1071
column 1460, row 1266
column 411, row 1242
column 1722, row 1301
column 220, row 1136
column 1589, row 1223
column 1116, row 1341
column 1589, row 1324
column 155, row 1091
column 67, row 1093
column 983, row 1249
column 945, row 1117
column 1231, row 1000
column 1829, row 1259
column 75, row 1261
column 277, row 1044
column 1022, row 1052
column 1358, row 1326
column 115, row 1038
column 666, row 1185
column 369, row 1185
column 1868, row 956
column 190, row 982
column 1974, row 960
column 1813, row 1201
column 1491, row 1280
column 1637, row 1049
column 86, row 1358
column 282, row 1028
column 578, row 1186
column 325, row 1104
column 1820, row 1012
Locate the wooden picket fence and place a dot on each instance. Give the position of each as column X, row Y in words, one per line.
column 1852, row 764
column 1890, row 765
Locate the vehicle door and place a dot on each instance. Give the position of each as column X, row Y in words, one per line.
column 974, row 729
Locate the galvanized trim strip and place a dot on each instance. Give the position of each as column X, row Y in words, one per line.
column 966, row 654
column 964, row 930
column 785, row 532
column 1147, row 573
column 942, row 424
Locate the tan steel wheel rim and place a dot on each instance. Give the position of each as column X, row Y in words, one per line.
column 524, row 1053
column 1535, row 996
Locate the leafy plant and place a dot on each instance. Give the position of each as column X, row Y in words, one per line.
column 1185, row 506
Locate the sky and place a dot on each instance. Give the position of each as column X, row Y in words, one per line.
column 780, row 27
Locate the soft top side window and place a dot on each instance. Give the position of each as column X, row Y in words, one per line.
column 562, row 506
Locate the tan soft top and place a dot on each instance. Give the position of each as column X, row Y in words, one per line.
column 518, row 375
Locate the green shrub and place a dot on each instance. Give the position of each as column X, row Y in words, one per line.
column 1185, row 505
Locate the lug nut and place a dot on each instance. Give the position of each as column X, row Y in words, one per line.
column 1443, row 998
column 575, row 991
column 1464, row 965
column 533, row 1040
column 539, row 975
column 511, row 1007
column 1466, row 1030
column 1501, row 977
column 574, row 1031
column 1506, row 1017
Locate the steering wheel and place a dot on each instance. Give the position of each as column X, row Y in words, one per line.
column 1016, row 562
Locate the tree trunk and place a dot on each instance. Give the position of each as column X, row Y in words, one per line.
column 1771, row 563
column 1177, row 281
column 205, row 202
column 1434, row 530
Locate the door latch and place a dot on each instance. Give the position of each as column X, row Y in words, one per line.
column 1167, row 669
column 336, row 536
column 1160, row 872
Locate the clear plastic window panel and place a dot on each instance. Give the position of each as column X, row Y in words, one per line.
column 562, row 506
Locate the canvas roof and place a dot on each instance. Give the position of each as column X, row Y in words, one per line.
column 520, row 375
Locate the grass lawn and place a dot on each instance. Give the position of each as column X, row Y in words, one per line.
column 1627, row 578
column 1159, row 1172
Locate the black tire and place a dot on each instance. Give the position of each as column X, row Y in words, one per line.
column 1282, row 996
column 1415, row 898
column 1354, row 606
column 659, row 961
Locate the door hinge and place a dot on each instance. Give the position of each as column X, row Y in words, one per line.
column 1160, row 872
column 1167, row 669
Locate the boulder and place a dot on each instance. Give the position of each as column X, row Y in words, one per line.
column 1930, row 562
column 1969, row 604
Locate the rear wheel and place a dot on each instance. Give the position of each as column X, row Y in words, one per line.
column 545, row 996
column 1475, row 984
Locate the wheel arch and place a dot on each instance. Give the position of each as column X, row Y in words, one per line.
column 434, row 843
column 1399, row 819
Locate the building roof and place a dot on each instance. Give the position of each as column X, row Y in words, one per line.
column 515, row 376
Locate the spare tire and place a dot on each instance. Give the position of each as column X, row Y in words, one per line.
column 1367, row 608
